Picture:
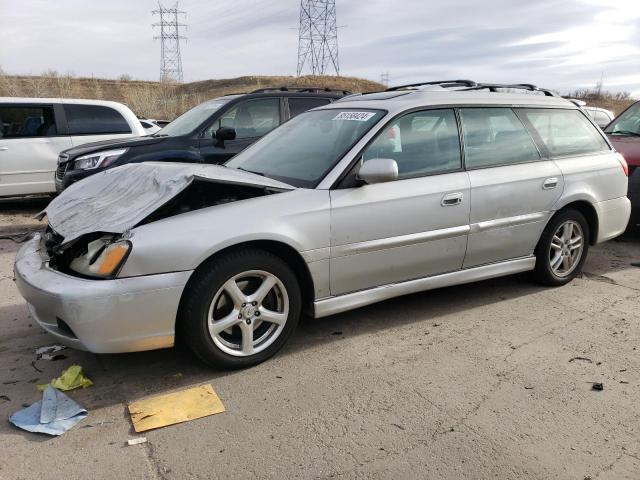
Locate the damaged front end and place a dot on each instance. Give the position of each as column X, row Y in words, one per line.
column 90, row 223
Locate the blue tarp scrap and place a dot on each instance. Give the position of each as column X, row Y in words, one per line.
column 54, row 414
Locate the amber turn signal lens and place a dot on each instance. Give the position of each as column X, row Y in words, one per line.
column 111, row 258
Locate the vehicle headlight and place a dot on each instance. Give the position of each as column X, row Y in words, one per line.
column 104, row 258
column 98, row 159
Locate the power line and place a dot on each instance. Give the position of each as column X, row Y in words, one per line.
column 318, row 37
column 170, row 59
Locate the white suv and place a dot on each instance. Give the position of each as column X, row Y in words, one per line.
column 33, row 131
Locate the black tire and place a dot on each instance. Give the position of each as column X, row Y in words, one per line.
column 543, row 272
column 192, row 323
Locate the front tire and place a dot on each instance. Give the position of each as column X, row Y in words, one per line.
column 240, row 308
column 562, row 249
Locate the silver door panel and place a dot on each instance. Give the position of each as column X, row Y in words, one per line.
column 379, row 267
column 509, row 207
column 398, row 230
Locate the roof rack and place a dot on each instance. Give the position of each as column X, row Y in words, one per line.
column 493, row 87
column 442, row 83
column 302, row 90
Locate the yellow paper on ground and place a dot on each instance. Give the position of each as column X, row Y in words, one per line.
column 172, row 408
column 70, row 379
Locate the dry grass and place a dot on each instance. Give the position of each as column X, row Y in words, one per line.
column 597, row 97
column 161, row 100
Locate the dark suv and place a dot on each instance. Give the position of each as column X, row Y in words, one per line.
column 212, row 132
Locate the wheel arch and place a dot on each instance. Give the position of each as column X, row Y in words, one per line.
column 589, row 212
column 280, row 249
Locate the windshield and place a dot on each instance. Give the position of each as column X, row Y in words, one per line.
column 192, row 119
column 303, row 150
column 628, row 123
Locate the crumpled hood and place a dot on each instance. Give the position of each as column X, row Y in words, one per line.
column 117, row 199
column 85, row 148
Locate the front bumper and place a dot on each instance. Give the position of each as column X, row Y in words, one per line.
column 102, row 316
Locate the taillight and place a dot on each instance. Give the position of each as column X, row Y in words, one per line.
column 625, row 166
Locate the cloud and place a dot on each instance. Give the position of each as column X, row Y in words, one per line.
column 560, row 44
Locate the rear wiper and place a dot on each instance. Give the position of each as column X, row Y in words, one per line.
column 249, row 171
column 625, row 132
column 160, row 135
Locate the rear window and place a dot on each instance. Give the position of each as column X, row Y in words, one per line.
column 27, row 121
column 94, row 119
column 300, row 105
column 565, row 132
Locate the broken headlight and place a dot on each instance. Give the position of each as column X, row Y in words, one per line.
column 98, row 159
column 104, row 258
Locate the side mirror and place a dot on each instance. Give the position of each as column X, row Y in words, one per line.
column 378, row 170
column 224, row 133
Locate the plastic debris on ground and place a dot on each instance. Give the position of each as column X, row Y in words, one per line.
column 48, row 352
column 54, row 414
column 172, row 408
column 137, row 441
column 70, row 379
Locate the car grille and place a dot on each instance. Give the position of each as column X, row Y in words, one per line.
column 62, row 166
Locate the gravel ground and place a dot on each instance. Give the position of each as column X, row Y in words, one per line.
column 475, row 381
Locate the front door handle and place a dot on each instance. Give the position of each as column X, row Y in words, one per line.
column 451, row 199
column 550, row 183
column 3, row 149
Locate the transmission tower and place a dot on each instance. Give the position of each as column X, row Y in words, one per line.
column 318, row 37
column 170, row 60
column 384, row 78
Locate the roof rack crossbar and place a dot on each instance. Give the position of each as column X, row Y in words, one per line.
column 444, row 83
column 302, row 90
column 493, row 87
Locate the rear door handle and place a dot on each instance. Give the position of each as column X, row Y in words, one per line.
column 3, row 149
column 550, row 183
column 451, row 199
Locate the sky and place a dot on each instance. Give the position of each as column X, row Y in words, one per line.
column 558, row 44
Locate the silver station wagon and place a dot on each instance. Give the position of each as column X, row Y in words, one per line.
column 371, row 197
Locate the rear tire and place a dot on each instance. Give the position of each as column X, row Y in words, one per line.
column 562, row 249
column 240, row 308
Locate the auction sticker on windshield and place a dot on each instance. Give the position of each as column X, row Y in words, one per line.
column 357, row 116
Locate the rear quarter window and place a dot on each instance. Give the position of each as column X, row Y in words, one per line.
column 565, row 132
column 302, row 104
column 94, row 120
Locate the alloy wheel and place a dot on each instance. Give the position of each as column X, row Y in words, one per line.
column 248, row 313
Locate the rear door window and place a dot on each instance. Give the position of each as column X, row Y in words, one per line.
column 495, row 136
column 27, row 121
column 253, row 118
column 565, row 132
column 94, row 119
column 302, row 104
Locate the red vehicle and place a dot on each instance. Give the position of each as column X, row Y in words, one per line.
column 624, row 133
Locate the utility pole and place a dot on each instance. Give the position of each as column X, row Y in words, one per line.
column 318, row 37
column 384, row 79
column 170, row 59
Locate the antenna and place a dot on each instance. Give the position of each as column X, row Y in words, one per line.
column 318, row 37
column 170, row 59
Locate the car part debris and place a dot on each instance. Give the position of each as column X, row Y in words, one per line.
column 54, row 414
column 47, row 352
column 70, row 379
column 137, row 441
column 585, row 359
column 598, row 386
column 172, row 408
